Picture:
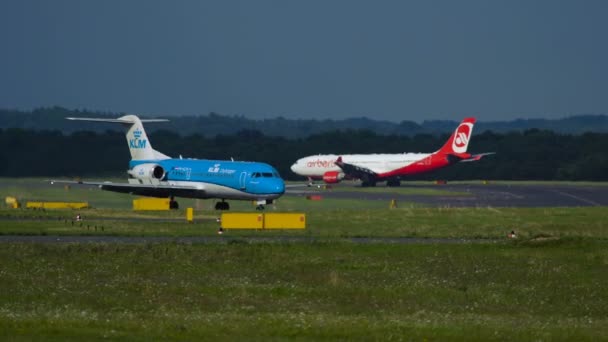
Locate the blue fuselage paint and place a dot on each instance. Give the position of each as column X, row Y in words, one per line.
column 248, row 177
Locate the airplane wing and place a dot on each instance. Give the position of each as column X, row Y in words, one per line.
column 151, row 190
column 299, row 185
column 476, row 157
column 355, row 171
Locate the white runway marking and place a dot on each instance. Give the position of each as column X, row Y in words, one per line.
column 510, row 194
column 577, row 198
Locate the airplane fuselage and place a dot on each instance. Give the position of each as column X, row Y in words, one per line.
column 390, row 167
column 210, row 178
column 317, row 166
column 154, row 174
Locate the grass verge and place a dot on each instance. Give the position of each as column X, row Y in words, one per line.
column 528, row 290
column 326, row 222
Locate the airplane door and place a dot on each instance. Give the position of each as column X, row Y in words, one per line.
column 242, row 180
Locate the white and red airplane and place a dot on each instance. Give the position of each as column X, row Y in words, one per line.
column 372, row 168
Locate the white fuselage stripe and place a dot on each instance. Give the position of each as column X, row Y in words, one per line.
column 219, row 191
column 378, row 163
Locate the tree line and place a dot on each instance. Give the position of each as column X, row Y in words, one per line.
column 529, row 155
column 212, row 124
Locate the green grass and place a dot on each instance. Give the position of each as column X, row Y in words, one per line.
column 543, row 290
column 324, row 222
column 549, row 284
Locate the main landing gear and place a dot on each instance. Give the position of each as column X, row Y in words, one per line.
column 173, row 203
column 393, row 182
column 368, row 183
column 222, row 206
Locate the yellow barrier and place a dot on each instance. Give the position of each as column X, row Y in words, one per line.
column 12, row 202
column 263, row 221
column 151, row 204
column 56, row 205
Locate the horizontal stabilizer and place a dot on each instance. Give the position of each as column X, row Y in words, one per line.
column 476, row 157
column 139, row 144
column 120, row 120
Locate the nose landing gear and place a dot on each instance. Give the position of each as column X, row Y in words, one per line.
column 262, row 203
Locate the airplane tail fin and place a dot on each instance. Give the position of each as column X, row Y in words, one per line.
column 459, row 141
column 139, row 144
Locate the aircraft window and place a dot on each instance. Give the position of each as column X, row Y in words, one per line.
column 267, row 174
column 255, row 175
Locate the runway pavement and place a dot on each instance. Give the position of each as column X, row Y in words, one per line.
column 451, row 195
column 476, row 195
column 482, row 195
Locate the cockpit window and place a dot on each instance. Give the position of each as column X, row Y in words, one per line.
column 265, row 175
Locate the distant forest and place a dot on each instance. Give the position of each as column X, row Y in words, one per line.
column 214, row 124
column 529, row 155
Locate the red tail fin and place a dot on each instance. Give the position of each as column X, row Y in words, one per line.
column 459, row 141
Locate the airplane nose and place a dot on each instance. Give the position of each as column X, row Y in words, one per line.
column 280, row 187
column 294, row 167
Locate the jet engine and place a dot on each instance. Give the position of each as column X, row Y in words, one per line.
column 148, row 171
column 333, row 177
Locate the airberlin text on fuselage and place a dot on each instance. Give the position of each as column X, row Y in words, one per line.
column 320, row 163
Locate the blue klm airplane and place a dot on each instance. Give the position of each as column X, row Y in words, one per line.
column 154, row 174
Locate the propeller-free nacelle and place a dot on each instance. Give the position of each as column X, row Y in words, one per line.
column 333, row 177
column 147, row 171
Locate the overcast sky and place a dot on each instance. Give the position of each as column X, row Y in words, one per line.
column 393, row 60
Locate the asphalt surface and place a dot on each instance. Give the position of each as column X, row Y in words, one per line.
column 477, row 195
column 480, row 195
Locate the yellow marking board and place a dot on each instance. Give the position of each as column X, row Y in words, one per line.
column 146, row 203
column 57, row 205
column 242, row 220
column 263, row 221
column 284, row 221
